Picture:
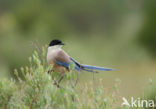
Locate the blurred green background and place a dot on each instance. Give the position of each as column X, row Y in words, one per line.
column 114, row 33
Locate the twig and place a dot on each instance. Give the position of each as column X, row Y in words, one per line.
column 77, row 79
column 36, row 46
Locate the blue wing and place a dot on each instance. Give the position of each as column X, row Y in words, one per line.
column 67, row 65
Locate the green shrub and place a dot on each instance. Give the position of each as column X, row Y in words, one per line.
column 36, row 89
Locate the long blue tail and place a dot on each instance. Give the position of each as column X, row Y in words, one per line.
column 97, row 68
column 89, row 68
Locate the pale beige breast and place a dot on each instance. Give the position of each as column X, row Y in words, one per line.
column 59, row 55
column 51, row 54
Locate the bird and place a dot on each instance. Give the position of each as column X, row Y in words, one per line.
column 63, row 63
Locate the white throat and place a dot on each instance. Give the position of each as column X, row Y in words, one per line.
column 55, row 48
column 52, row 52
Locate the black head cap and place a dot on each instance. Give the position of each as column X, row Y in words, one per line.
column 56, row 42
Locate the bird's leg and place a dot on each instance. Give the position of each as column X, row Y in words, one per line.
column 57, row 83
column 61, row 78
column 49, row 71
